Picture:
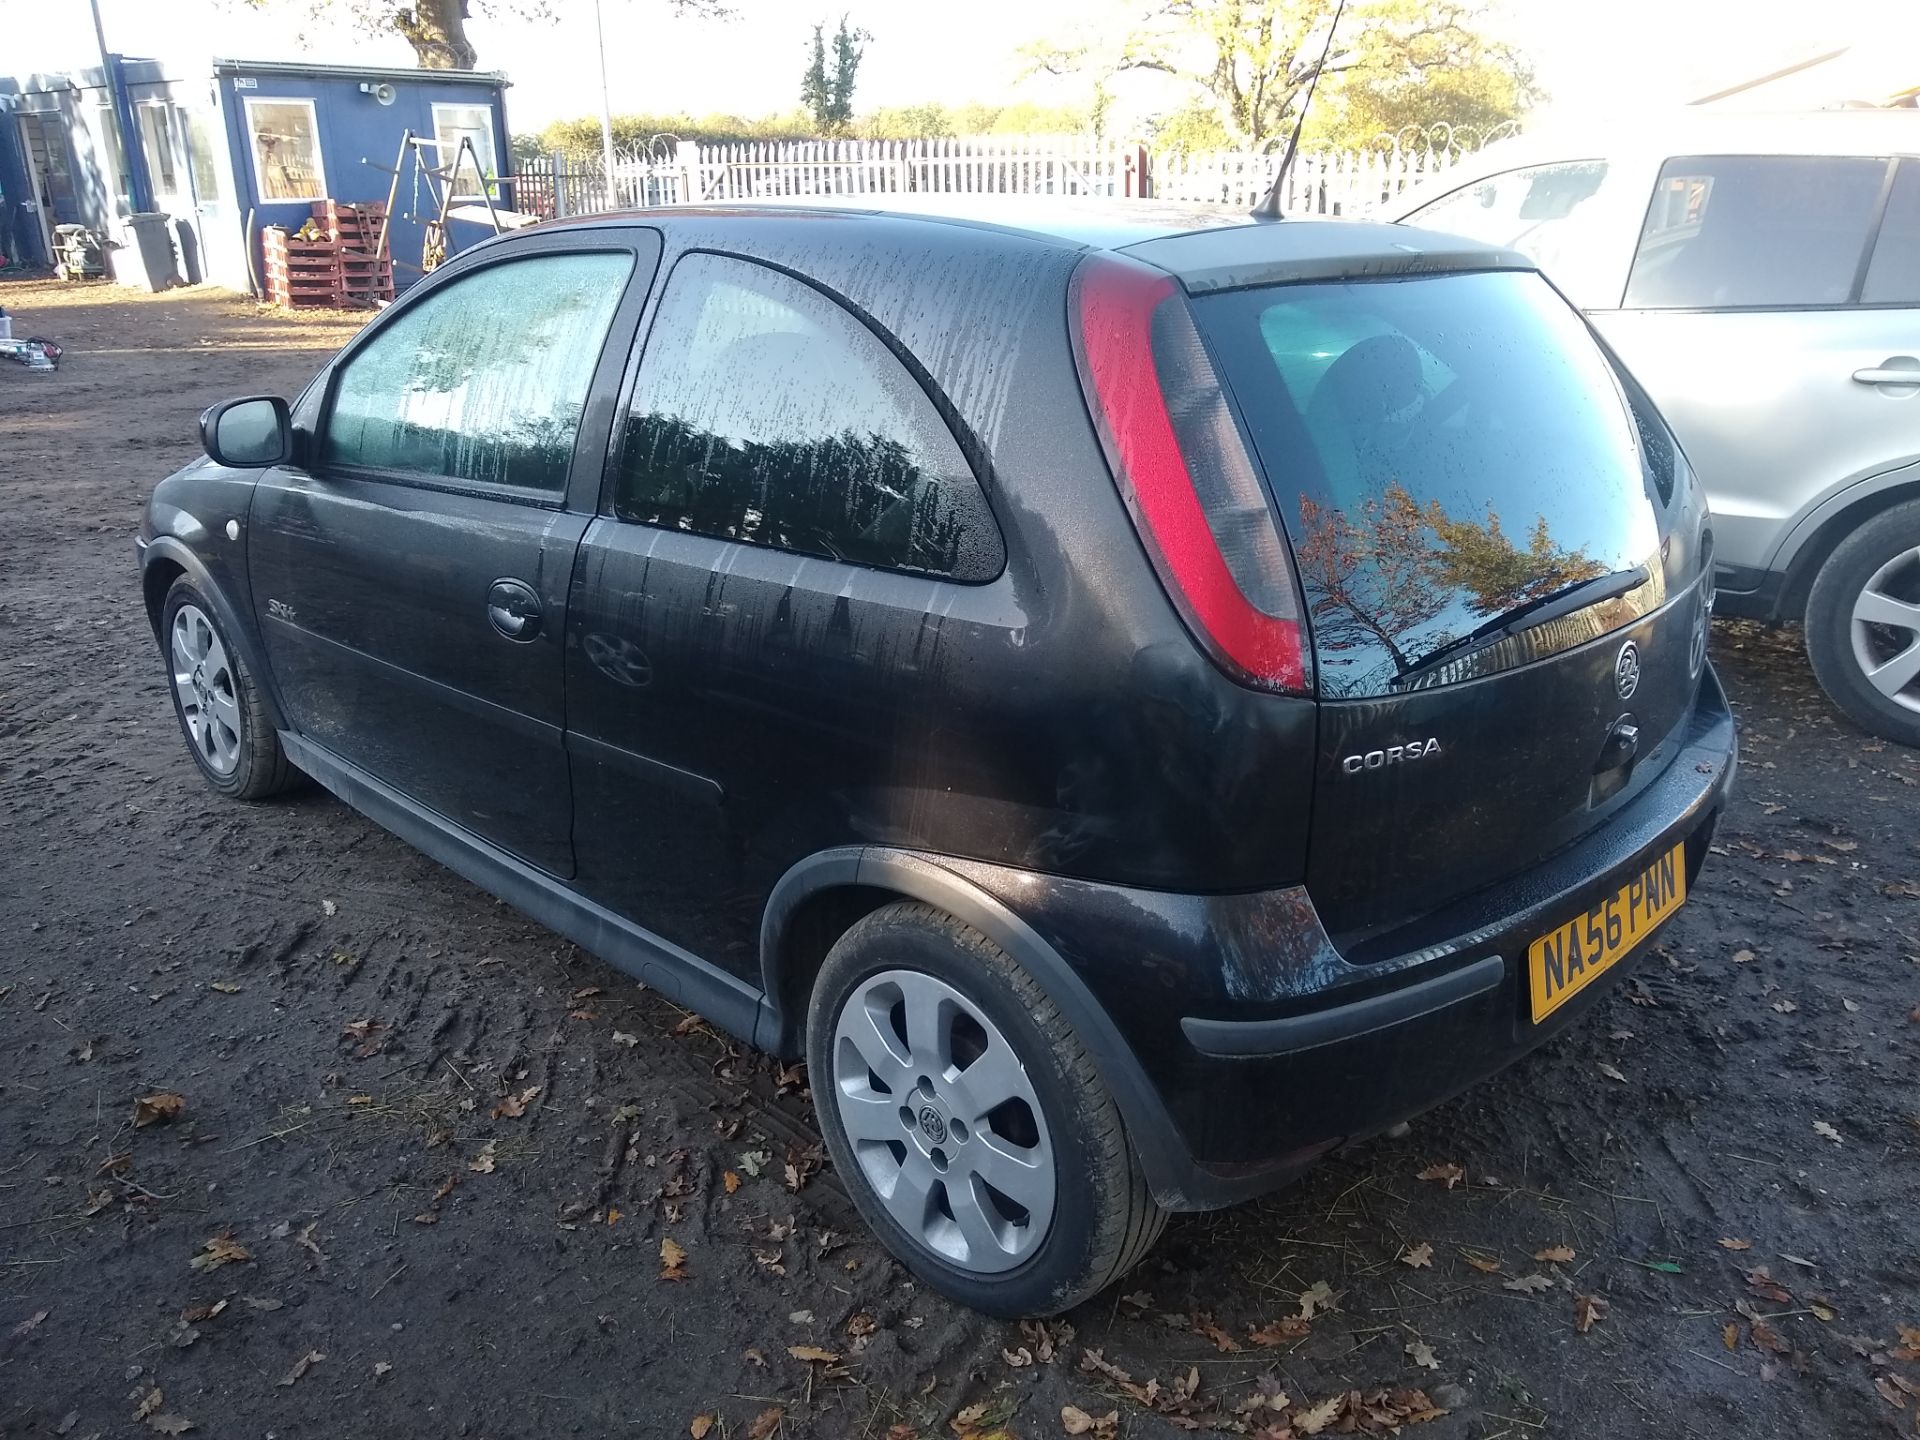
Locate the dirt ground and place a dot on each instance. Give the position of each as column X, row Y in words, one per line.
column 430, row 1154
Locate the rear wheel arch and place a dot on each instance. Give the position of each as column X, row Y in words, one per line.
column 1831, row 533
column 825, row 895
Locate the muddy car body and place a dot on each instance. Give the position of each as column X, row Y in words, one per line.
column 940, row 649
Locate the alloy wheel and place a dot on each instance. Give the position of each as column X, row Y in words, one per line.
column 203, row 680
column 1886, row 629
column 944, row 1121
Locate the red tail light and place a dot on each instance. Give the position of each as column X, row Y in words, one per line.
column 1185, row 473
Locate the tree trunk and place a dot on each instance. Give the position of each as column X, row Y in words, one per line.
column 437, row 30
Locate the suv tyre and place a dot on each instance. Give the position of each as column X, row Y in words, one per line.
column 1863, row 617
column 968, row 1120
column 218, row 703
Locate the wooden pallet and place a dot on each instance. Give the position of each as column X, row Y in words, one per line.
column 338, row 270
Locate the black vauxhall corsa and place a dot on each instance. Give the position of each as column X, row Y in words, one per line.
column 1135, row 699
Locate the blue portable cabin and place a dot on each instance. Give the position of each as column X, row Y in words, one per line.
column 299, row 133
column 226, row 150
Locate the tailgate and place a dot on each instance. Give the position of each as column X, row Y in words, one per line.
column 1500, row 553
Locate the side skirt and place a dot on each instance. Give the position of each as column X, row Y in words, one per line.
column 683, row 977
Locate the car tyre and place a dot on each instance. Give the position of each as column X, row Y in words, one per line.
column 217, row 701
column 1863, row 623
column 937, row 1062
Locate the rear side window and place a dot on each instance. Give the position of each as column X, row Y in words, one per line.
column 766, row 413
column 1444, row 451
column 1893, row 278
column 484, row 379
column 1746, row 231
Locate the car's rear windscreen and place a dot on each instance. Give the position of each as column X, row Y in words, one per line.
column 1444, row 450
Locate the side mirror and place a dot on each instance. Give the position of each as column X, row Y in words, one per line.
column 249, row 433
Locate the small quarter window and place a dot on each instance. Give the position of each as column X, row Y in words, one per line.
column 766, row 413
column 1544, row 211
column 1755, row 232
column 483, row 380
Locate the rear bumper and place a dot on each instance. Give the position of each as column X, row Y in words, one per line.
column 1264, row 1047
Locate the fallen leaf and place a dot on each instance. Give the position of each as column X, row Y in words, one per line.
column 1742, row 956
column 482, row 1163
column 255, row 1303
column 700, row 1426
column 1762, row 1283
column 512, row 1107
column 1316, row 1419
column 300, row 1367
column 815, row 1355
column 765, row 1423
column 620, row 1037
column 1588, row 1311
column 1451, row 1174
column 1316, row 1298
column 754, row 1161
column 169, row 1424
column 1799, row 1260
column 327, row 907
column 613, row 1216
column 148, row 1405
column 27, row 1324
column 731, row 1181
column 1611, row 1072
column 200, row 1314
column 381, row 1368
column 673, row 1259
column 587, row 992
column 1529, row 1284
column 220, row 1250
column 1204, row 1325
column 1822, row 1309
column 1826, row 1131
column 1730, row 1335
column 1422, row 1355
column 1852, row 1007
column 1420, row 1257
column 157, row 1109
column 1732, row 1244
column 1556, row 1254
column 1765, row 1337
column 1280, row 1332
column 1785, row 1006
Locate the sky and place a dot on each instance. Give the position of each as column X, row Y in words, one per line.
column 1609, row 56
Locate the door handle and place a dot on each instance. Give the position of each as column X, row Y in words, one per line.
column 513, row 609
column 1895, row 370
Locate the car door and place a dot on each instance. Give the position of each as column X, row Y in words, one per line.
column 411, row 578
column 1774, row 333
column 756, row 670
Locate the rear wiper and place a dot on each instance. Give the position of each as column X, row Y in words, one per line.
column 1538, row 611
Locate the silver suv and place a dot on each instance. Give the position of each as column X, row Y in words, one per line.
column 1760, row 275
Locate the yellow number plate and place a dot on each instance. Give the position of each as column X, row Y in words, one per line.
column 1564, row 963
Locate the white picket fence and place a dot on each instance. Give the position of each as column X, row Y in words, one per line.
column 1323, row 182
